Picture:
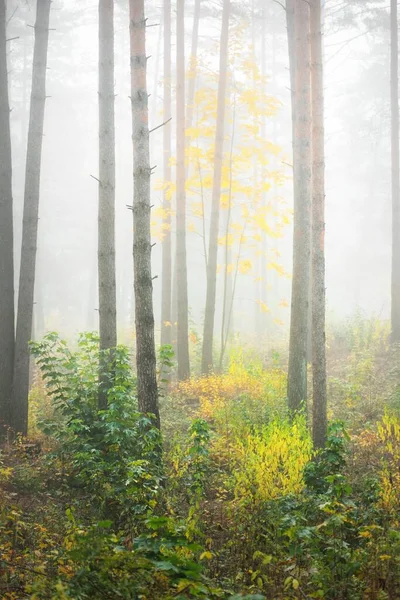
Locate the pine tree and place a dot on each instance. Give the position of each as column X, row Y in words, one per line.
column 106, row 215
column 318, row 229
column 181, row 259
column 30, row 220
column 144, row 314
column 166, row 285
column 297, row 374
column 394, row 101
column 6, row 237
column 209, row 315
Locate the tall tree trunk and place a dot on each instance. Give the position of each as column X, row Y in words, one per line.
column 209, row 316
column 166, row 286
column 106, row 216
column 144, row 315
column 193, row 64
column 318, row 229
column 394, row 97
column 227, row 282
column 30, row 220
column 181, row 263
column 156, row 78
column 6, row 238
column 297, row 375
column 291, row 37
column 264, row 296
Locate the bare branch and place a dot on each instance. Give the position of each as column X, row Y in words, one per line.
column 162, row 125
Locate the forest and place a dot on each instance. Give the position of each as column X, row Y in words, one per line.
column 199, row 300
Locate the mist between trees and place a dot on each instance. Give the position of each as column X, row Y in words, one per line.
column 199, row 299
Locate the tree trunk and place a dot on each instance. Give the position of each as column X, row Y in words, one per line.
column 30, row 220
column 193, row 64
column 291, row 37
column 209, row 316
column 394, row 97
column 264, row 297
column 181, row 263
column 106, row 218
column 297, row 375
column 154, row 95
column 144, row 315
column 318, row 229
column 6, row 238
column 166, row 286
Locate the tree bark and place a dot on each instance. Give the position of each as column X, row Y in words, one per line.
column 30, row 220
column 394, row 101
column 318, row 229
column 209, row 316
column 106, row 215
column 181, row 260
column 166, row 285
column 297, row 374
column 144, row 314
column 6, row 238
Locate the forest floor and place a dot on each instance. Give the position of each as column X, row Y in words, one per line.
column 239, row 506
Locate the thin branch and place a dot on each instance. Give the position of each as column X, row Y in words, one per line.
column 158, row 127
column 12, row 15
column 280, row 4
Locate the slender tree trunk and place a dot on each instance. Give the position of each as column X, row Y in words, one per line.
column 156, row 78
column 318, row 229
column 106, row 218
column 264, row 243
column 181, row 264
column 394, row 97
column 193, row 64
column 30, row 220
column 227, row 283
column 145, row 344
column 93, row 303
column 166, row 286
column 209, row 316
column 297, row 375
column 6, row 238
column 291, row 37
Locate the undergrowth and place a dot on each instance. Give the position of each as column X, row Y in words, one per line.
column 230, row 501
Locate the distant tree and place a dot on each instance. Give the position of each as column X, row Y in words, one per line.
column 181, row 259
column 7, row 332
column 166, row 284
column 394, row 101
column 193, row 64
column 106, row 214
column 297, row 374
column 209, row 315
column 30, row 220
column 318, row 229
column 144, row 314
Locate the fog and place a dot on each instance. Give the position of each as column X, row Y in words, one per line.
column 357, row 122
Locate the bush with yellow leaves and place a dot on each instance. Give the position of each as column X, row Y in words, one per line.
column 243, row 396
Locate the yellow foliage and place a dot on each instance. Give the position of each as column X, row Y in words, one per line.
column 226, row 240
column 245, row 266
column 270, row 461
column 278, row 268
column 219, row 395
column 263, row 306
column 389, row 435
